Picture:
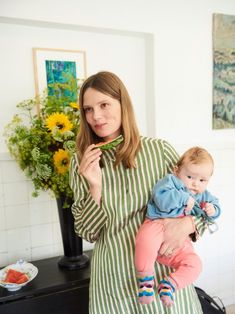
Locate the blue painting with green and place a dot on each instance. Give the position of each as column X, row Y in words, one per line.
column 61, row 79
column 223, row 71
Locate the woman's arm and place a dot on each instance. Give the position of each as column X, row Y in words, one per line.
column 89, row 217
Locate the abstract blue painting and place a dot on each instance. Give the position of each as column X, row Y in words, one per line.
column 223, row 71
column 61, row 79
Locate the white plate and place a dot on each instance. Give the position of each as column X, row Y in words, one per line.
column 29, row 269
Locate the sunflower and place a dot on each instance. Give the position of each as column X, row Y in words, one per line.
column 43, row 144
column 61, row 161
column 58, row 121
column 74, row 105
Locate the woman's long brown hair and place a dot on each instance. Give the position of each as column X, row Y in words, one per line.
column 109, row 84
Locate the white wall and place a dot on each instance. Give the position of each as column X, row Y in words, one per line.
column 183, row 51
column 123, row 53
column 183, row 103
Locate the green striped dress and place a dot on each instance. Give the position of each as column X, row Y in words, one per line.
column 113, row 227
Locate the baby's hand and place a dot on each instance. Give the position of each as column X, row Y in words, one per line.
column 209, row 209
column 190, row 204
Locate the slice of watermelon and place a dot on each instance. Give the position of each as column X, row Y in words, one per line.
column 14, row 276
column 109, row 144
column 23, row 278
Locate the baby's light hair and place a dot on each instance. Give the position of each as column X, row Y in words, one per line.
column 195, row 155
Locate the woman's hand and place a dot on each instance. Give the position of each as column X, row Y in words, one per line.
column 177, row 230
column 90, row 169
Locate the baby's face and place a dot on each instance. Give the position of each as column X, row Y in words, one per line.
column 195, row 177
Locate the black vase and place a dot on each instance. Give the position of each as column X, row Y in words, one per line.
column 73, row 250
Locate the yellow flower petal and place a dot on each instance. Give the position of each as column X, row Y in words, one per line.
column 59, row 121
column 61, row 161
column 74, row 105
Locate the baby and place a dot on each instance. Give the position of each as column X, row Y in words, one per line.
column 176, row 195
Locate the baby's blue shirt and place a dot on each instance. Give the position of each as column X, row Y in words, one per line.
column 170, row 196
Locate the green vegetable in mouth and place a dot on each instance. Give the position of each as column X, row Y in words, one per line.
column 110, row 144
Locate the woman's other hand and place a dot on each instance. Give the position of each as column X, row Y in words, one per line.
column 176, row 232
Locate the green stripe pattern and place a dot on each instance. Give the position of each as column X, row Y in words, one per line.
column 113, row 227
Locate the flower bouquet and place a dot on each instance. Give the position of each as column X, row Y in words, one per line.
column 43, row 143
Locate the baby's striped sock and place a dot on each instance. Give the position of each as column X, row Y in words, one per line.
column 146, row 292
column 165, row 291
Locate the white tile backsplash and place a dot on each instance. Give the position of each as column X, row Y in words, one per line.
column 1, row 176
column 45, row 251
column 41, row 235
column 3, row 242
column 4, row 259
column 40, row 213
column 57, row 238
column 15, row 193
column 18, row 239
column 11, row 172
column 55, row 214
column 16, row 255
column 2, row 218
column 42, row 197
column 58, row 249
column 1, row 195
column 17, row 216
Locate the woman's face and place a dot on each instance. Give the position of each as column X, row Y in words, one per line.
column 103, row 114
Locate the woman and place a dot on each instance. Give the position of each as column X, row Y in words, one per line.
column 111, row 189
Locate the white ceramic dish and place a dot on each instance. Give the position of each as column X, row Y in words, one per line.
column 29, row 269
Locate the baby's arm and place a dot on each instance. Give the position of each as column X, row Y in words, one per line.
column 169, row 198
column 208, row 208
column 190, row 204
column 210, row 204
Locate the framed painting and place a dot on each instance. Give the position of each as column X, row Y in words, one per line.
column 223, row 71
column 57, row 67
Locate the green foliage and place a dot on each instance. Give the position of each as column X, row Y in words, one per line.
column 33, row 144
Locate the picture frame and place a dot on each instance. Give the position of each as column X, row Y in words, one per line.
column 51, row 65
column 223, row 72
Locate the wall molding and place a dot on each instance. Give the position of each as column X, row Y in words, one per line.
column 75, row 27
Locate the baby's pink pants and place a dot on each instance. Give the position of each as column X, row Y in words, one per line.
column 186, row 263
